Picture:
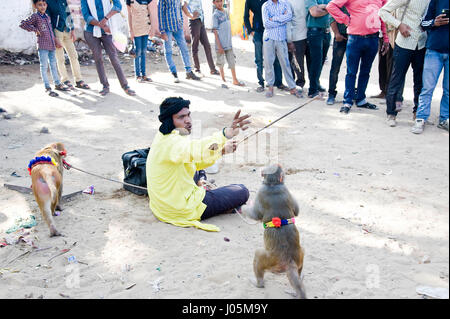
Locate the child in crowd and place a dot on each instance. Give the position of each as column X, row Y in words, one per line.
column 224, row 48
column 139, row 23
column 39, row 22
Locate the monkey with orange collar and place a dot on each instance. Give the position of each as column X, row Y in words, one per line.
column 46, row 171
column 276, row 207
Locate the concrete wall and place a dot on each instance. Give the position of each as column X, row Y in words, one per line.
column 13, row 38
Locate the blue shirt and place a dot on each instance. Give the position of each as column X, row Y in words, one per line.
column 59, row 13
column 87, row 15
column 195, row 5
column 275, row 17
column 170, row 16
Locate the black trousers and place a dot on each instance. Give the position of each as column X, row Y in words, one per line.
column 402, row 59
column 339, row 49
column 297, row 60
column 222, row 199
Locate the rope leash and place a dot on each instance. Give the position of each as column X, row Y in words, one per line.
column 279, row 119
column 68, row 167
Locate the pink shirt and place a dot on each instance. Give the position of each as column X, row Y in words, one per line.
column 364, row 18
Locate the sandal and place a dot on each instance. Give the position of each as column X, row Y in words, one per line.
column 51, row 93
column 269, row 94
column 82, row 85
column 146, row 79
column 129, row 91
column 240, row 84
column 69, row 85
column 368, row 106
column 61, row 87
column 104, row 91
column 297, row 94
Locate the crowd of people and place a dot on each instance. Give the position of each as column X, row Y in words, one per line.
column 285, row 33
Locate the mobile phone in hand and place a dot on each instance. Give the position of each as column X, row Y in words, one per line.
column 446, row 12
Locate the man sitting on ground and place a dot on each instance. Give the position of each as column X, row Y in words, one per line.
column 173, row 161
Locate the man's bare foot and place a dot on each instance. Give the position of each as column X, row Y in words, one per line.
column 239, row 83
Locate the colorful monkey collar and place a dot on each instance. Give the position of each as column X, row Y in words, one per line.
column 277, row 222
column 41, row 160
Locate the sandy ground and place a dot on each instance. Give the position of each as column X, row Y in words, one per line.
column 374, row 217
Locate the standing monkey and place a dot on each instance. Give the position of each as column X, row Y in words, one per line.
column 46, row 171
column 276, row 207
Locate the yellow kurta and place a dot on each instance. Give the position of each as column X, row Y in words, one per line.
column 171, row 164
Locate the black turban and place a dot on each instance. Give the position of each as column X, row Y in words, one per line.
column 169, row 107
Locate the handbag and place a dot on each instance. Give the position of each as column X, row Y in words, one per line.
column 134, row 163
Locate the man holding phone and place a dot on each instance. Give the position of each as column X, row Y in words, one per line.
column 437, row 57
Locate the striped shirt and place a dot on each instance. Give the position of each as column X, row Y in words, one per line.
column 412, row 18
column 276, row 15
column 170, row 16
column 40, row 22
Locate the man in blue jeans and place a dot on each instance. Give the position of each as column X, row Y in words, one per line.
column 363, row 28
column 318, row 38
column 436, row 59
column 257, row 30
column 171, row 27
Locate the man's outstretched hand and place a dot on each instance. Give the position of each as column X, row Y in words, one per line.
column 239, row 123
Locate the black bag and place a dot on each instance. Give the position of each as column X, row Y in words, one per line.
column 134, row 170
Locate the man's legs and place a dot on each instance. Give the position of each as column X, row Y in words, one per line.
column 111, row 51
column 259, row 59
column 300, row 50
column 281, row 50
column 353, row 59
column 195, row 26
column 181, row 41
column 278, row 73
column 316, row 51
column 59, row 53
column 224, row 199
column 269, row 59
column 73, row 58
column 384, row 68
column 401, row 61
column 205, row 42
column 339, row 49
column 445, row 96
column 96, row 48
column 168, row 53
column 417, row 62
column 368, row 54
column 434, row 63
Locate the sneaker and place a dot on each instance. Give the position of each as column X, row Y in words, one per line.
column 391, row 120
column 192, row 76
column 418, row 127
column 331, row 100
column 176, row 79
column 345, row 109
column 443, row 125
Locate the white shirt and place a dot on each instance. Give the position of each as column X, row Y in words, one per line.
column 296, row 28
column 413, row 18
